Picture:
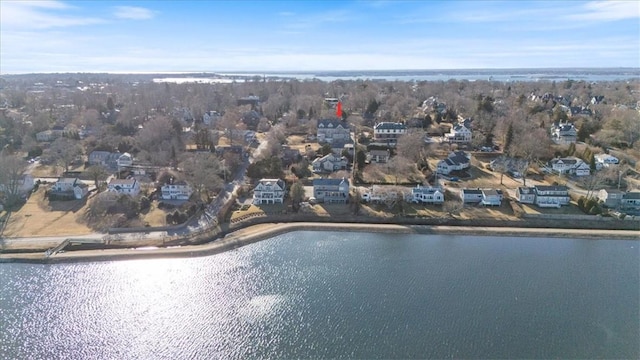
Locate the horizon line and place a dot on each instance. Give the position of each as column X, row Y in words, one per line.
column 222, row 72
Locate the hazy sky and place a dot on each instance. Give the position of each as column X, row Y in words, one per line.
column 150, row 36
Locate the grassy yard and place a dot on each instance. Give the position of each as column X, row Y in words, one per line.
column 40, row 217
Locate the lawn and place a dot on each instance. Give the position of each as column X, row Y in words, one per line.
column 40, row 217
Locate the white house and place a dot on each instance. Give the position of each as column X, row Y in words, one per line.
column 125, row 160
column 459, row 134
column 378, row 156
column 70, row 186
column 269, row 191
column 630, row 200
column 383, row 193
column 176, row 191
column 491, row 197
column 426, row 195
column 551, row 196
column 564, row 133
column 610, row 198
column 331, row 191
column 388, row 132
column 570, row 165
column 333, row 130
column 24, row 185
column 457, row 160
column 124, row 186
column 329, row 163
column 606, row 160
column 471, row 195
column 526, row 195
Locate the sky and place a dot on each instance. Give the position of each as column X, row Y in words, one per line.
column 228, row 36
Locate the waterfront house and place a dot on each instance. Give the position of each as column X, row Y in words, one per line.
column 551, row 196
column 383, row 193
column 426, row 195
column 630, row 200
column 333, row 130
column 388, row 132
column 331, row 191
column 471, row 195
column 269, row 191
column 129, row 187
column 611, row 198
column 176, row 191
column 329, row 163
column 525, row 195
column 491, row 197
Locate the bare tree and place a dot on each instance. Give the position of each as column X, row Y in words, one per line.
column 297, row 194
column 12, row 169
column 530, row 146
column 398, row 165
column 97, row 173
column 202, row 171
column 452, row 207
column 412, row 146
column 64, row 151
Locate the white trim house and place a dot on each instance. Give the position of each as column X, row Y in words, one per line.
column 129, row 187
column 269, row 191
column 176, row 191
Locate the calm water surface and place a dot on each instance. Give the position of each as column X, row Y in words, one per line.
column 334, row 295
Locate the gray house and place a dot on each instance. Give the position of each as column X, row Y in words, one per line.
column 331, row 191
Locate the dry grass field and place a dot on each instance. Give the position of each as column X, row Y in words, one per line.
column 39, row 217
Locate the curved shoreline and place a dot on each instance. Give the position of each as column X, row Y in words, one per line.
column 255, row 233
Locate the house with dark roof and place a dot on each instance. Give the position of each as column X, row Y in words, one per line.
column 426, row 195
column 333, row 130
column 564, row 133
column 129, row 187
column 378, row 156
column 269, row 191
column 630, row 200
column 457, row 160
column 571, row 166
column 331, row 191
column 610, row 198
column 459, row 134
column 388, row 132
column 544, row 196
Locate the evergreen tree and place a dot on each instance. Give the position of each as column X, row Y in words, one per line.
column 508, row 138
column 592, row 163
column 583, row 133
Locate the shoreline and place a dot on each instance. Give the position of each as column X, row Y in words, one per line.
column 255, row 233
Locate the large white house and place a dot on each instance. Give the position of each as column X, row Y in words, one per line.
column 329, row 163
column 177, row 191
column 571, row 166
column 332, row 191
column 426, row 195
column 333, row 130
column 459, row 134
column 269, row 191
column 457, row 160
column 70, row 187
column 129, row 187
column 544, row 196
column 388, row 132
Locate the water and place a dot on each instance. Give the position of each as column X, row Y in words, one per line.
column 334, row 295
column 500, row 75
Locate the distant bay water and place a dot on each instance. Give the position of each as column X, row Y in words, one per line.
column 499, row 75
column 335, row 295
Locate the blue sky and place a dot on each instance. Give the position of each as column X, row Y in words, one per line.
column 165, row 36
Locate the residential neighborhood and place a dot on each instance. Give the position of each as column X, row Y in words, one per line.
column 431, row 160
